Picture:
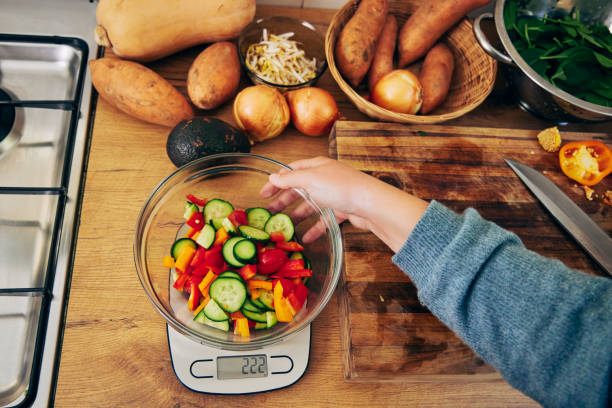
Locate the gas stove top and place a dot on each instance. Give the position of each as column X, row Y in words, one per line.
column 45, row 94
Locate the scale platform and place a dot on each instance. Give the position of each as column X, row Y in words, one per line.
column 213, row 371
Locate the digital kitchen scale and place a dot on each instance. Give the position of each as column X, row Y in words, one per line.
column 214, row 371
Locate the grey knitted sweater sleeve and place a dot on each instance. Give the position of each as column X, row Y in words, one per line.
column 545, row 327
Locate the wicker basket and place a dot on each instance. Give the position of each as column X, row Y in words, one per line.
column 473, row 78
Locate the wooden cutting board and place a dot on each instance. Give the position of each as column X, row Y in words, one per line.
column 387, row 334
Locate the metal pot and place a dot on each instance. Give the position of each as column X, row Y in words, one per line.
column 535, row 94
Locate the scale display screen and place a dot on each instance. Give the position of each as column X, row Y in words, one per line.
column 235, row 367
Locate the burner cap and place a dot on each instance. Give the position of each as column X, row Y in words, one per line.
column 7, row 116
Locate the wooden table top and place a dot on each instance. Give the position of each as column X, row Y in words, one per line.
column 115, row 350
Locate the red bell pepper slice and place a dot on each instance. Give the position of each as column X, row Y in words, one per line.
column 196, row 221
column 213, row 257
column 238, row 217
column 289, row 246
column 198, row 259
column 194, row 295
column 248, row 271
column 201, row 270
column 196, row 200
column 277, row 236
column 290, row 274
column 271, row 260
column 292, row 265
column 301, row 292
column 179, row 283
column 294, row 304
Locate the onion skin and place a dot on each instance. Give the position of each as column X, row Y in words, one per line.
column 313, row 110
column 399, row 91
column 261, row 111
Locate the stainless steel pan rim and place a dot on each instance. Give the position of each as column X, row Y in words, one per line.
column 565, row 99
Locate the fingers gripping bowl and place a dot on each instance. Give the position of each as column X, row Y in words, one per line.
column 237, row 178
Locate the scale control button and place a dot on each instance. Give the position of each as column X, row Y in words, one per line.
column 281, row 364
column 203, row 368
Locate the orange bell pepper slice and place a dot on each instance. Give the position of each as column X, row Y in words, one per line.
column 184, row 258
column 168, row 261
column 221, row 236
column 241, row 327
column 586, row 162
column 203, row 302
column 204, row 286
column 283, row 312
column 259, row 284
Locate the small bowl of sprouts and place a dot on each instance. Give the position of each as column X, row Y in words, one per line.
column 282, row 52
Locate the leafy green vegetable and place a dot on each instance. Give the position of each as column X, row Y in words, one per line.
column 573, row 56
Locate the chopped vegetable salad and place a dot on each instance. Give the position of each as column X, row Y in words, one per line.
column 241, row 269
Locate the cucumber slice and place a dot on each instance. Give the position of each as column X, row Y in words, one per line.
column 254, row 234
column 229, row 293
column 179, row 244
column 201, row 318
column 267, row 298
column 230, row 274
column 271, row 319
column 206, row 237
column 190, row 208
column 251, row 307
column 256, row 317
column 245, row 251
column 224, row 223
column 259, row 304
column 257, row 217
column 280, row 223
column 228, row 252
column 217, row 209
column 214, row 312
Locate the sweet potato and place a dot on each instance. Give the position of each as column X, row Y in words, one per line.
column 145, row 30
column 357, row 41
column 428, row 23
column 383, row 56
column 435, row 76
column 139, row 91
column 214, row 75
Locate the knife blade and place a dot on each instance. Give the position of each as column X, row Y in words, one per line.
column 595, row 241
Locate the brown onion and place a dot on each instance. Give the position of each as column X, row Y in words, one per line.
column 399, row 91
column 313, row 110
column 261, row 111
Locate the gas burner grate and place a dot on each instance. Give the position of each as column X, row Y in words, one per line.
column 7, row 116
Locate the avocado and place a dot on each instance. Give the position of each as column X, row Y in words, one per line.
column 202, row 136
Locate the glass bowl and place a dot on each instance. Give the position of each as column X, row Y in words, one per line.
column 312, row 41
column 237, row 178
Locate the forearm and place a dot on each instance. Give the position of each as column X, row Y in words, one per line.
column 390, row 213
column 545, row 327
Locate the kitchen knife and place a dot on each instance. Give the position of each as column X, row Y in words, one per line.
column 575, row 221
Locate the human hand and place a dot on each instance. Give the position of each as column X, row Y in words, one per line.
column 365, row 201
column 328, row 182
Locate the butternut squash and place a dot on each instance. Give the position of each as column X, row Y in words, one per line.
column 146, row 30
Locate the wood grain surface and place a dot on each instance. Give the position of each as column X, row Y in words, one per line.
column 115, row 351
column 387, row 333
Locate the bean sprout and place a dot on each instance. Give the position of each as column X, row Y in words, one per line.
column 279, row 60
